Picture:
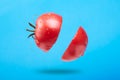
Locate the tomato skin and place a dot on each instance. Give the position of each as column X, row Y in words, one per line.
column 47, row 30
column 77, row 46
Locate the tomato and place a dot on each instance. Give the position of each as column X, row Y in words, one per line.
column 46, row 30
column 77, row 46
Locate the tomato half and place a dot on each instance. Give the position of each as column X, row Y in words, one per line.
column 46, row 30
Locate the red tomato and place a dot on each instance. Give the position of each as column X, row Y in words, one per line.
column 77, row 46
column 47, row 30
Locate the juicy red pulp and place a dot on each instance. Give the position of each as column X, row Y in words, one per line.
column 77, row 46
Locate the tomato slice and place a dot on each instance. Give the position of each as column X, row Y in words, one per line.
column 77, row 46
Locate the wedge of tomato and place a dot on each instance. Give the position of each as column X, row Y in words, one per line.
column 77, row 46
column 46, row 30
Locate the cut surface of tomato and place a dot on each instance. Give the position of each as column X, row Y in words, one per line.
column 77, row 46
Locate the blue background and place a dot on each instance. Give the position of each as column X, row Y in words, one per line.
column 20, row 58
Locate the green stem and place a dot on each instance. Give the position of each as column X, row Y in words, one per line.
column 30, row 30
column 31, row 25
column 31, row 35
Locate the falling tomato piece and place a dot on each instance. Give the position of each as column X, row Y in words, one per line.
column 77, row 46
column 46, row 30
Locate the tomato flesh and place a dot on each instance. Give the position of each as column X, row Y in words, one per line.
column 77, row 46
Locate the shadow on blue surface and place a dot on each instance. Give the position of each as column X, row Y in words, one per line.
column 58, row 71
